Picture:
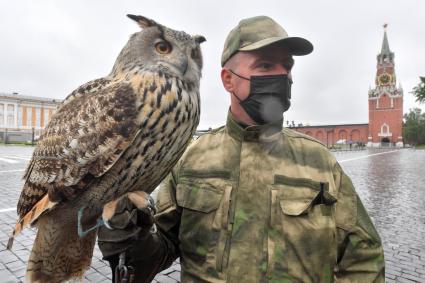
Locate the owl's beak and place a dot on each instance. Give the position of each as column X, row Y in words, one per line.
column 182, row 65
column 179, row 68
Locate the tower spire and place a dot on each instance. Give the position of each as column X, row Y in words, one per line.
column 385, row 50
column 385, row 56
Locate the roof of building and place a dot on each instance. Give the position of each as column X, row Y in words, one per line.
column 16, row 96
column 331, row 126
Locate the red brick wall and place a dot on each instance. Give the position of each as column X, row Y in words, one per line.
column 329, row 135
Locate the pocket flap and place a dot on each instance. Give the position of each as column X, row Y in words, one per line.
column 295, row 207
column 199, row 198
column 298, row 206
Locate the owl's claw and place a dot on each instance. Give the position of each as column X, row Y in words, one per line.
column 107, row 225
column 151, row 205
column 81, row 232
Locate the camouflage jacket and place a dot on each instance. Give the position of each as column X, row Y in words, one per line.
column 265, row 205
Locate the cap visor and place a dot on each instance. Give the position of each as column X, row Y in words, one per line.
column 297, row 46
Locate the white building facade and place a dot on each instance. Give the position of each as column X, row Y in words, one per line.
column 20, row 114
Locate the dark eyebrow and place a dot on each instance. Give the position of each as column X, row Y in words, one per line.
column 288, row 62
column 261, row 59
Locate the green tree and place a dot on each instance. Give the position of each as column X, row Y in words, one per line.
column 419, row 91
column 414, row 127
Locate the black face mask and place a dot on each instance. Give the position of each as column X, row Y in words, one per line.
column 268, row 98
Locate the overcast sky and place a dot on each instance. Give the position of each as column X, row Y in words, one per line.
column 48, row 48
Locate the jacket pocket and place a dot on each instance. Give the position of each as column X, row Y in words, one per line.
column 199, row 198
column 302, row 241
column 204, row 219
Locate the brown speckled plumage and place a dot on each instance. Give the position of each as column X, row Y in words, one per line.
column 110, row 136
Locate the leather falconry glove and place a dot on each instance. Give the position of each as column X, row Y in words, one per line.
column 125, row 219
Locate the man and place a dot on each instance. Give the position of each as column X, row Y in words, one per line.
column 252, row 202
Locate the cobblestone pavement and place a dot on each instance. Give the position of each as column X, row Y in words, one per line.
column 392, row 188
column 390, row 183
column 13, row 160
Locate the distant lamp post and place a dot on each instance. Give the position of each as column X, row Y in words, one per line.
column 327, row 139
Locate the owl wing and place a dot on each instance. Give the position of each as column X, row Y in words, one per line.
column 89, row 132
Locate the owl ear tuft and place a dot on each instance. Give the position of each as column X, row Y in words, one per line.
column 199, row 39
column 143, row 22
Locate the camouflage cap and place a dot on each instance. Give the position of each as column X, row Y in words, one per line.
column 257, row 32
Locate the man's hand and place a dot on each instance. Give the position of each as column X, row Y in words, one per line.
column 125, row 218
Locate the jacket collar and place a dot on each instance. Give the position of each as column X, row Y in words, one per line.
column 260, row 133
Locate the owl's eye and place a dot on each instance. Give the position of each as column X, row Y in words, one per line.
column 163, row 47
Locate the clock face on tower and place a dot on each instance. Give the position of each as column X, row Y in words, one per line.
column 384, row 79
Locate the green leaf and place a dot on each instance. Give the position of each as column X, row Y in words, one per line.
column 419, row 91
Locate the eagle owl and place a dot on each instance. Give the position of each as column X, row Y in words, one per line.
column 111, row 136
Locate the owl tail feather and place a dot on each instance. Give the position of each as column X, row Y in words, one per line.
column 58, row 253
column 41, row 206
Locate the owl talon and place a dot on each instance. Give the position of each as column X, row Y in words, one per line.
column 107, row 225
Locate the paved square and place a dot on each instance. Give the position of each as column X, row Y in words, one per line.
column 391, row 184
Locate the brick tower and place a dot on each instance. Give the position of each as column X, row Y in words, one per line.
column 385, row 102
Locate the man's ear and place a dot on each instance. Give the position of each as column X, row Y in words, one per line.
column 226, row 78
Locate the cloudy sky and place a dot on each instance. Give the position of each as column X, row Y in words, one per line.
column 48, row 48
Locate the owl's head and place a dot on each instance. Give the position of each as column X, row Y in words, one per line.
column 159, row 48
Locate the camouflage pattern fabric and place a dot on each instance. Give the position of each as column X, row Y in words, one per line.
column 257, row 32
column 265, row 204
